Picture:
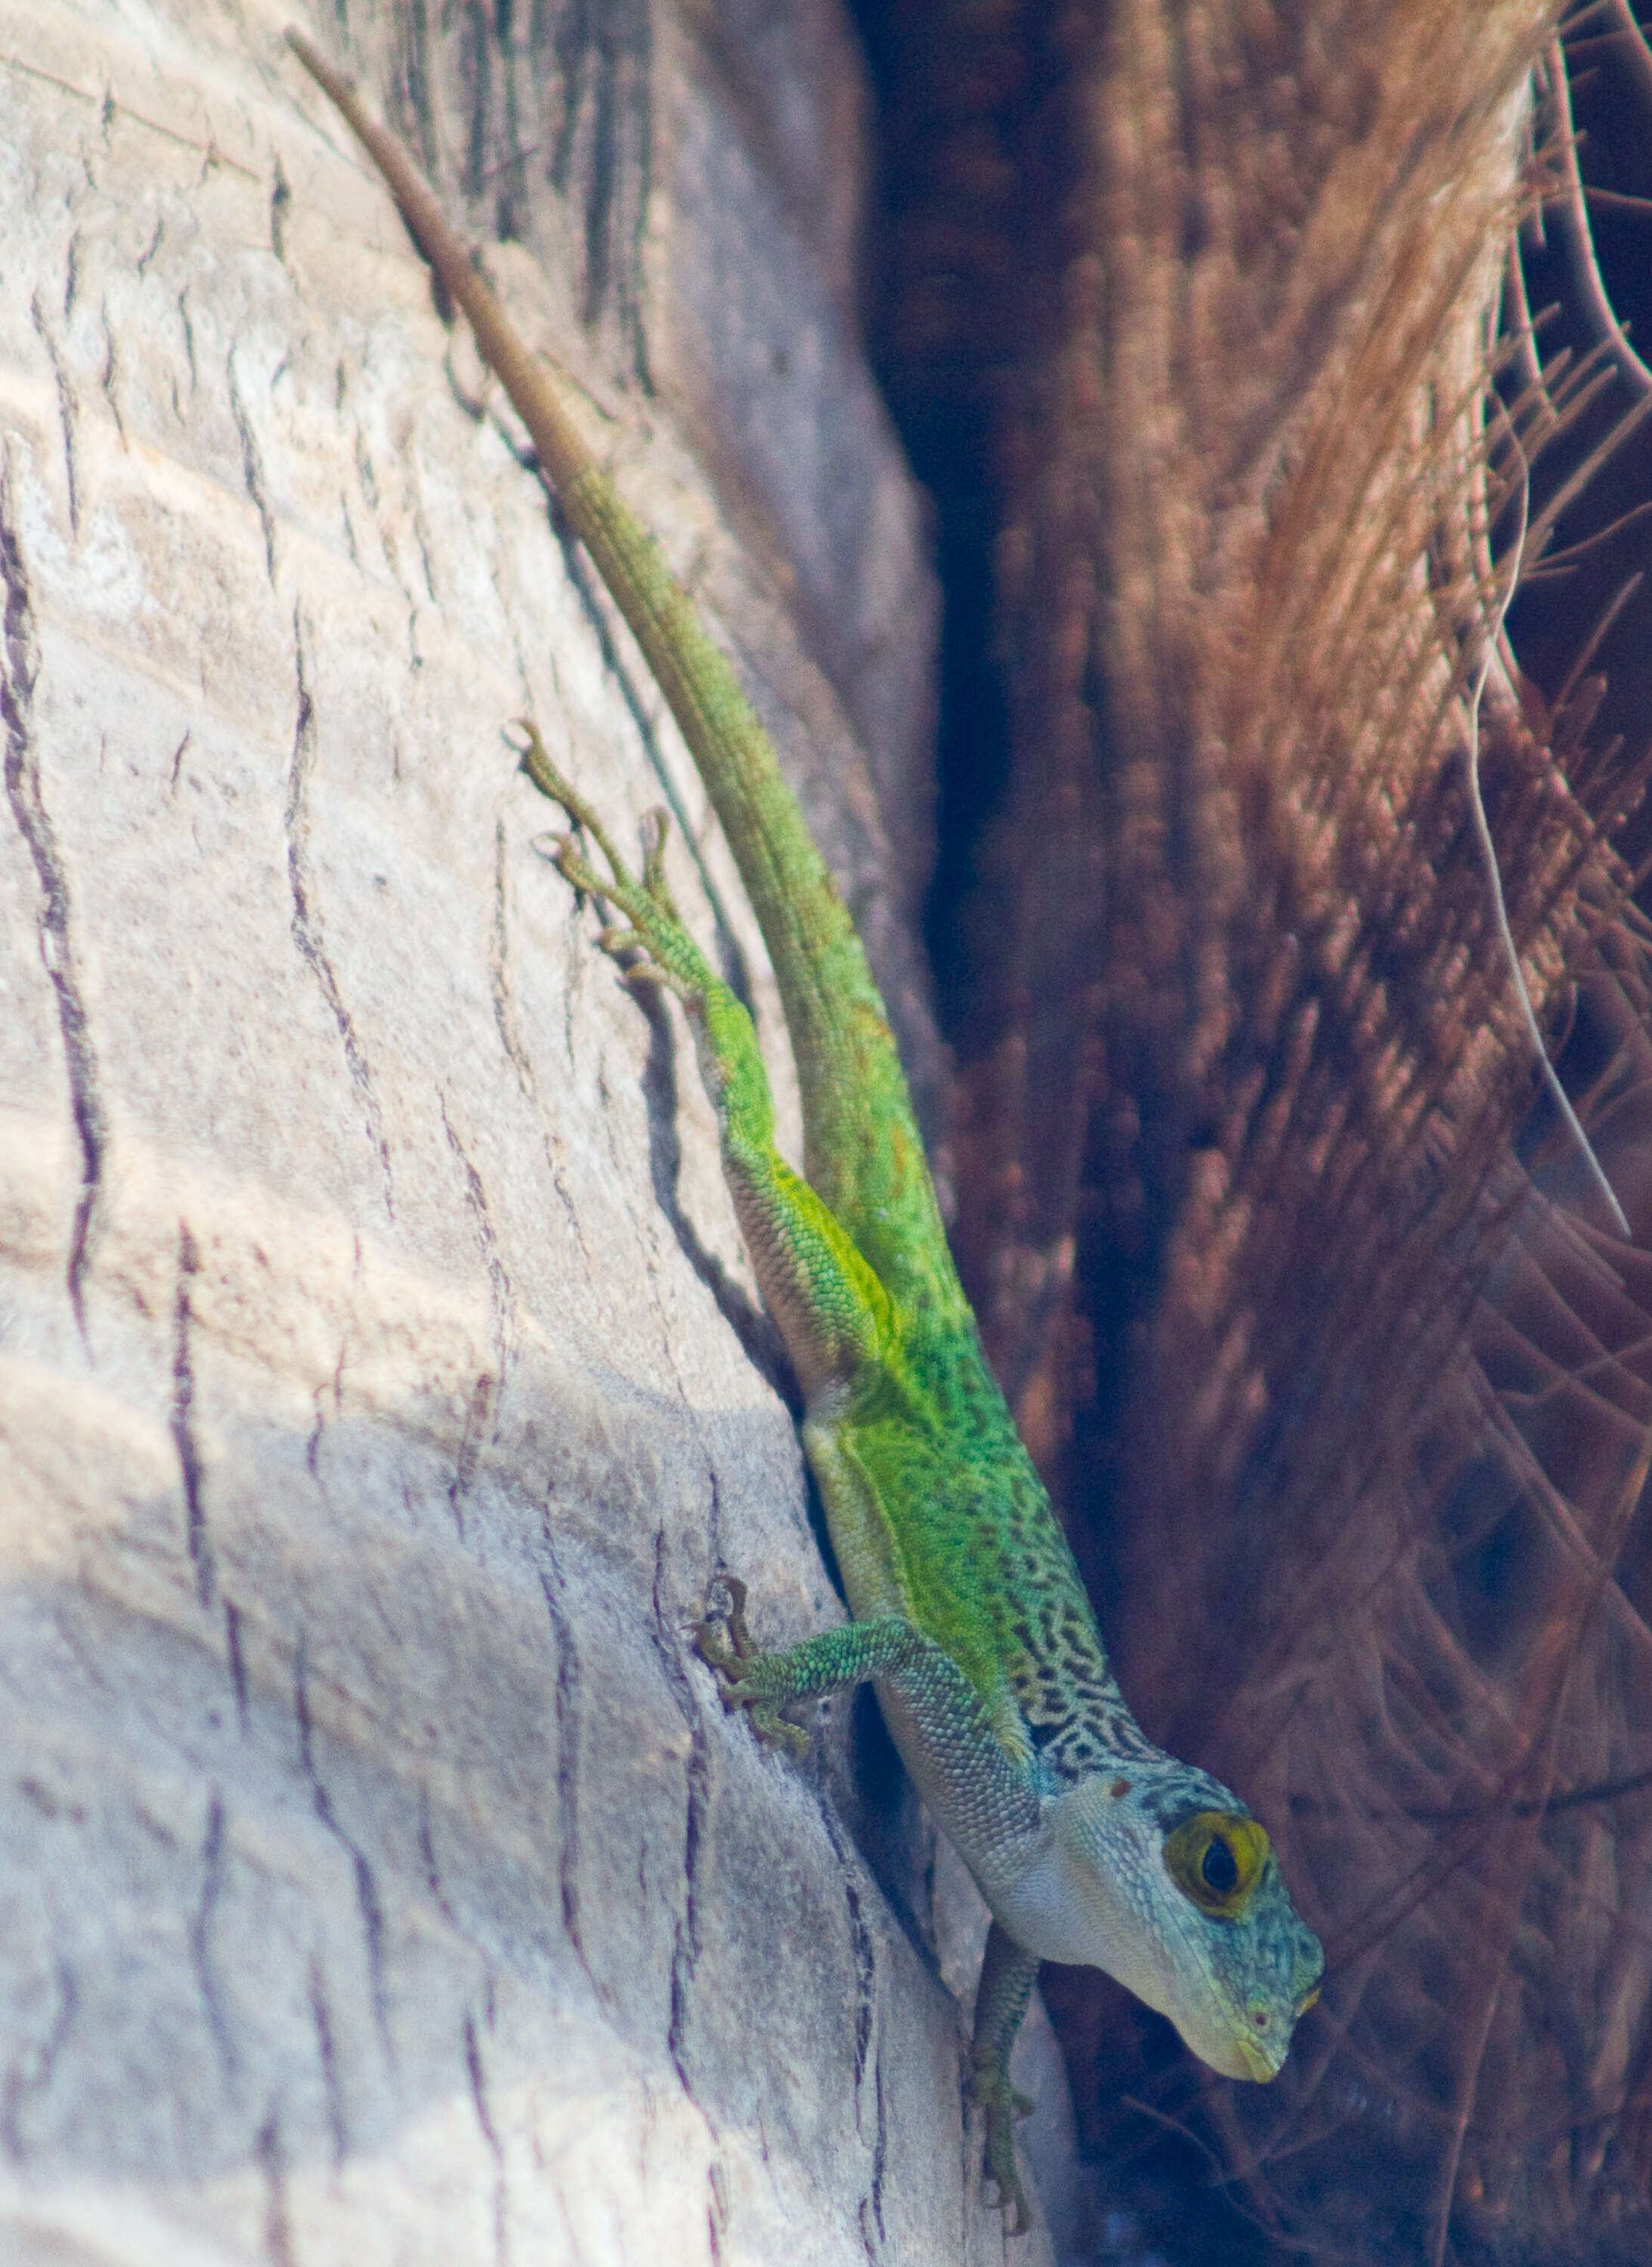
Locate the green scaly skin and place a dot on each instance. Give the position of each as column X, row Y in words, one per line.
column 1088, row 1844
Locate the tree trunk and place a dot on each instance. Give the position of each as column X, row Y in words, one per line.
column 381, row 1379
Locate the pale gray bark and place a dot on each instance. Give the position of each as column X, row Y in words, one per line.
column 380, row 1876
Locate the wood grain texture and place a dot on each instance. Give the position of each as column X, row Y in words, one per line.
column 379, row 1377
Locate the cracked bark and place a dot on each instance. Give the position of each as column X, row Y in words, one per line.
column 34, row 824
column 306, row 926
column 381, row 1886
column 196, row 1540
column 201, row 1932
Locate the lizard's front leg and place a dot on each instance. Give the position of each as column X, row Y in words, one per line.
column 831, row 1661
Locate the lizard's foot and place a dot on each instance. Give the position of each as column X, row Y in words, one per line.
column 669, row 955
column 990, row 2086
column 758, row 1682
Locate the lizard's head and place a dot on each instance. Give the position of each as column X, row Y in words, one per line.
column 1158, row 1875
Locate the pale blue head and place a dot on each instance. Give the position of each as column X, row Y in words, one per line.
column 1157, row 1874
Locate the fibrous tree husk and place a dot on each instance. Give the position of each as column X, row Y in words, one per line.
column 1305, row 1294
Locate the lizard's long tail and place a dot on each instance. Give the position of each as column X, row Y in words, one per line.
column 863, row 1151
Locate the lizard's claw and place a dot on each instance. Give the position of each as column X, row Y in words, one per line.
column 741, row 1672
column 990, row 2086
column 737, row 1646
column 577, row 871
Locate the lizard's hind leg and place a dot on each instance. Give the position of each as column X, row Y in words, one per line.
column 831, row 1309
column 672, row 956
column 1008, row 1974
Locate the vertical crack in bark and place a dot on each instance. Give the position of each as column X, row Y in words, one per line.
column 697, row 1774
column 507, row 1022
column 713, row 1521
column 865, row 1951
column 237, row 1660
column 685, row 1936
column 565, row 1705
column 187, row 325
column 427, row 567
column 199, row 1542
column 864, row 1945
column 484, row 1391
column 321, row 2019
column 30, row 2075
column 476, row 1196
column 880, row 2147
column 71, row 275
column 474, row 1424
column 201, row 1933
column 479, row 2097
column 367, row 1903
column 19, row 669
column 279, row 199
column 68, row 407
column 109, row 376
column 432, row 1871
column 716, row 2208
column 272, row 2158
column 252, row 468
column 306, row 926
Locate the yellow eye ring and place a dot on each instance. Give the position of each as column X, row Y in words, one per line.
column 1216, row 1859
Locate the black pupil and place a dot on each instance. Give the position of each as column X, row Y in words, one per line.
column 1219, row 1868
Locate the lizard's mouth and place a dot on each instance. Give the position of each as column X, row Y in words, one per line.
column 1259, row 2055
column 1240, row 2045
column 1236, row 2044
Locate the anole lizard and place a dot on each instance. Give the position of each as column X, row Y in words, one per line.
column 1088, row 1844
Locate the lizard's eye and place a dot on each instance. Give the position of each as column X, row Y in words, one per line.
column 1219, row 1868
column 1216, row 1859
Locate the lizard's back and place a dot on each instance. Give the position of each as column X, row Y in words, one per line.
column 937, row 1513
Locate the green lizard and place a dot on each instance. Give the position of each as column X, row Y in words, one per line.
column 1089, row 1843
